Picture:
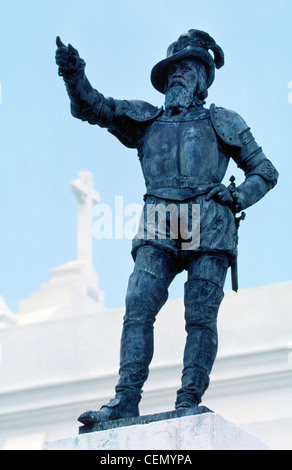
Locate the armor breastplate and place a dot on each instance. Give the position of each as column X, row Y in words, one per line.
column 179, row 158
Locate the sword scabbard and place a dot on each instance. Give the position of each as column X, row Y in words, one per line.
column 234, row 275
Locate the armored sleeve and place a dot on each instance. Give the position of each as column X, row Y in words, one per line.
column 89, row 105
column 260, row 174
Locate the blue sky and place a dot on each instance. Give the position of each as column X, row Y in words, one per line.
column 43, row 147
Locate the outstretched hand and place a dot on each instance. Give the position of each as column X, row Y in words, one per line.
column 67, row 57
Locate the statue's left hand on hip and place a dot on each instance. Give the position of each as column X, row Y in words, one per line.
column 221, row 194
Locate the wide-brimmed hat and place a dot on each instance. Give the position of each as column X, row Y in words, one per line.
column 194, row 44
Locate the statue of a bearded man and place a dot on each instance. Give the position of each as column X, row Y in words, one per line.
column 184, row 150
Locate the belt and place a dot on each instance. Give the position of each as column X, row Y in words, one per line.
column 181, row 182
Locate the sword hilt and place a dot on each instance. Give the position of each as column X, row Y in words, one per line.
column 232, row 187
column 232, row 181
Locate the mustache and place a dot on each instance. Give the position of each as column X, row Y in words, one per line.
column 176, row 81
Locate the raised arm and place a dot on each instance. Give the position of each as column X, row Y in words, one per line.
column 87, row 103
column 124, row 119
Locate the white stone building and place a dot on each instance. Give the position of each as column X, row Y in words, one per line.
column 60, row 354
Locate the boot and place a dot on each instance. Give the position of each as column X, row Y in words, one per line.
column 123, row 406
column 202, row 301
column 145, row 296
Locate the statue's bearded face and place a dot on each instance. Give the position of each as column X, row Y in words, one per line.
column 181, row 85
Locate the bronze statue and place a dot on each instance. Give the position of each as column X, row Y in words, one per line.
column 184, row 150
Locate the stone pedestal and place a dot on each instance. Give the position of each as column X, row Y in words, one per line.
column 207, row 431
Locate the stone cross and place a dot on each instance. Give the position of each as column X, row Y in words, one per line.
column 86, row 195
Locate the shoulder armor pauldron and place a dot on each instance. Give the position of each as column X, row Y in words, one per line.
column 141, row 111
column 230, row 126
